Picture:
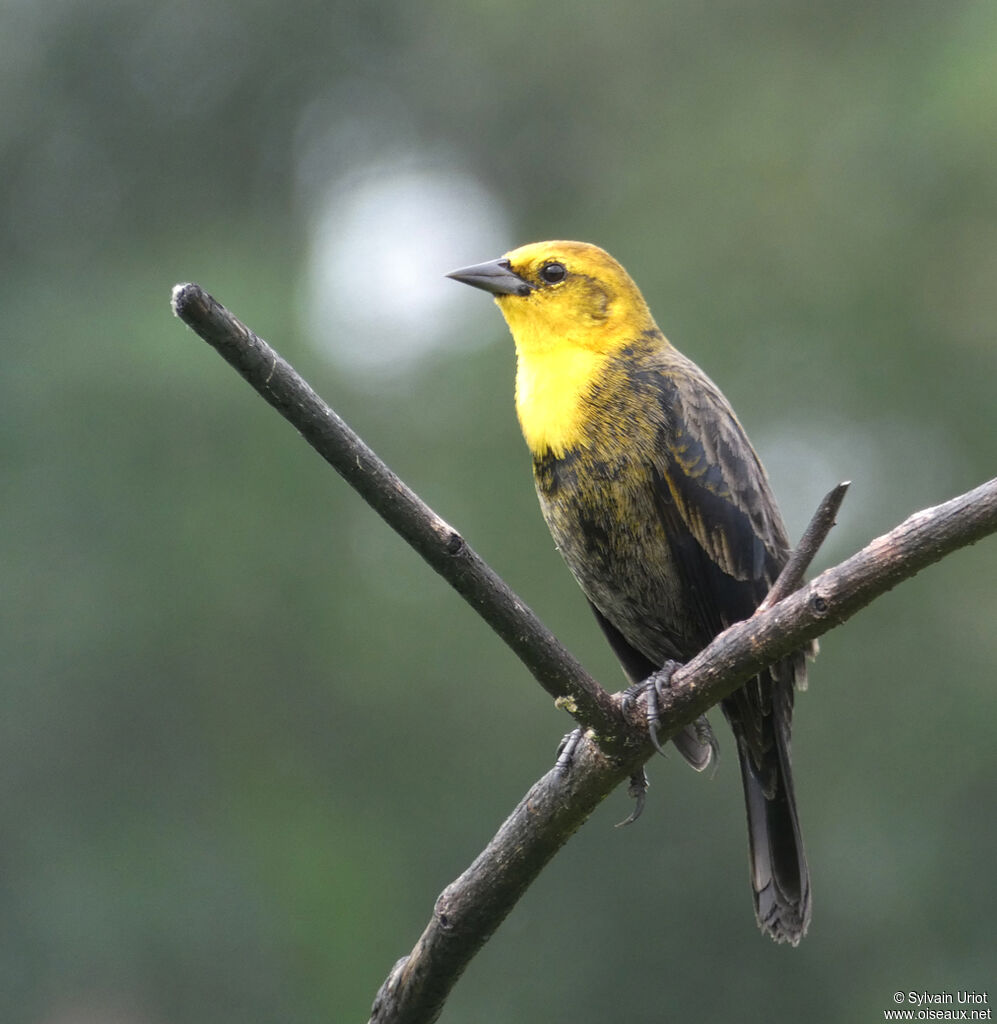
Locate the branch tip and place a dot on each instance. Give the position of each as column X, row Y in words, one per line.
column 182, row 296
column 791, row 577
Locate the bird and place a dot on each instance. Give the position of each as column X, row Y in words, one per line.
column 664, row 514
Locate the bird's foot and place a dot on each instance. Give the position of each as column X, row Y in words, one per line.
column 652, row 689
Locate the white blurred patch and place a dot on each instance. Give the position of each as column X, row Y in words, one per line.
column 896, row 467
column 376, row 299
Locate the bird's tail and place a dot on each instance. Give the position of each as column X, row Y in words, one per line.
column 779, row 874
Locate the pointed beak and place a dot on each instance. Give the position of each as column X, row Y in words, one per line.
column 496, row 277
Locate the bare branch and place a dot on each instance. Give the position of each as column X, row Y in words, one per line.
column 473, row 906
column 550, row 663
column 470, row 909
column 813, row 536
column 830, row 599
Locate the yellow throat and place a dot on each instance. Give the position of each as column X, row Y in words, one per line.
column 551, row 386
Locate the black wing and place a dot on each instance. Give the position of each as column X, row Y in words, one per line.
column 728, row 544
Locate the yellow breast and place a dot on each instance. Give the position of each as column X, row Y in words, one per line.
column 552, row 386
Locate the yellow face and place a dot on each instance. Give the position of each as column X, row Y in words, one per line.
column 579, row 296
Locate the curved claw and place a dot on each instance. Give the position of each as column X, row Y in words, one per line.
column 638, row 791
column 654, row 716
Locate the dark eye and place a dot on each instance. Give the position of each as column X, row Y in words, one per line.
column 552, row 272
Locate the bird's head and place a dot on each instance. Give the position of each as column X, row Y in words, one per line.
column 557, row 294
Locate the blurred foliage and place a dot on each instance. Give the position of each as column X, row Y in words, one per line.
column 247, row 735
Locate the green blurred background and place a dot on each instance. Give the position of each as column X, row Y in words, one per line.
column 247, row 736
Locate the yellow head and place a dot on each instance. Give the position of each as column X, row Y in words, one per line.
column 558, row 294
column 570, row 306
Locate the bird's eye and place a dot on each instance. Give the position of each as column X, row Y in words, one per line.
column 552, row 272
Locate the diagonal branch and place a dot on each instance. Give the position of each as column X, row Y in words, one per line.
column 470, row 909
column 550, row 663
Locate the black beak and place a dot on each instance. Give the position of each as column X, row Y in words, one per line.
column 495, row 276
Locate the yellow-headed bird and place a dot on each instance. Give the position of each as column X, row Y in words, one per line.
column 662, row 511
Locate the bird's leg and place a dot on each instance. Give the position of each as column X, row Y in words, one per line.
column 653, row 689
column 638, row 781
column 566, row 750
column 638, row 793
